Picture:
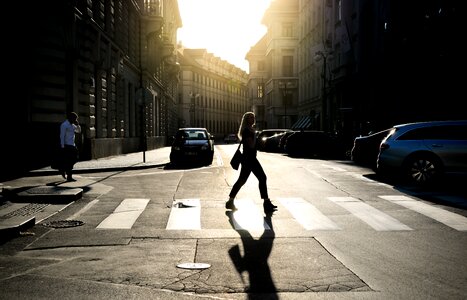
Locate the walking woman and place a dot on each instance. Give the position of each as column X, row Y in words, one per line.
column 250, row 163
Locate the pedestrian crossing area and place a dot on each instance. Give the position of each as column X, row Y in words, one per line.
column 187, row 214
column 125, row 215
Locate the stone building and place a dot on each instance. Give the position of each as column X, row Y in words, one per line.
column 273, row 81
column 212, row 92
column 358, row 66
column 111, row 61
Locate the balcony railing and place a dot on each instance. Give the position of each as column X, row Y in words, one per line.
column 152, row 8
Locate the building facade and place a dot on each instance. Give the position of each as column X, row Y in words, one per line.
column 212, row 93
column 359, row 66
column 273, row 62
column 112, row 62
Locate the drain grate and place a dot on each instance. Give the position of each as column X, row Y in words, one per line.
column 63, row 223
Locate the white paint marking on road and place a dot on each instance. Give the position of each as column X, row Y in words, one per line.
column 219, row 160
column 125, row 215
column 308, row 215
column 83, row 210
column 314, row 173
column 448, row 218
column 185, row 215
column 248, row 216
column 370, row 215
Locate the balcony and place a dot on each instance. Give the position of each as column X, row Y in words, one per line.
column 167, row 47
column 152, row 16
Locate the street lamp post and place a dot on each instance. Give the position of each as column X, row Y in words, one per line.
column 325, row 107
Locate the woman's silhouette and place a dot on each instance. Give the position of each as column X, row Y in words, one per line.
column 250, row 163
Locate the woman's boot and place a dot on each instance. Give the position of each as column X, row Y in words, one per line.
column 268, row 206
column 230, row 204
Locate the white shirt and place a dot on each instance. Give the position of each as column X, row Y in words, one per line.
column 67, row 133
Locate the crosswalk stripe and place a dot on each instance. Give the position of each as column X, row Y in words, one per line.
column 308, row 215
column 125, row 215
column 248, row 216
column 368, row 214
column 448, row 218
column 185, row 215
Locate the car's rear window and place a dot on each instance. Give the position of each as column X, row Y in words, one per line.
column 443, row 132
column 192, row 134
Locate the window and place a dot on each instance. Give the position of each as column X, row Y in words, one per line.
column 261, row 65
column 287, row 29
column 448, row 132
column 338, row 10
column 260, row 92
column 287, row 66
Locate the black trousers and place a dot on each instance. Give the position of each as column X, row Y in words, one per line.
column 69, row 158
column 249, row 165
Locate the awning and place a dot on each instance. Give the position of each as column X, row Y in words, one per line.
column 303, row 123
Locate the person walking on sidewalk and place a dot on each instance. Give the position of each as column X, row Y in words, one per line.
column 68, row 129
column 250, row 163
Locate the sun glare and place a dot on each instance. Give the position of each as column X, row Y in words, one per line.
column 226, row 28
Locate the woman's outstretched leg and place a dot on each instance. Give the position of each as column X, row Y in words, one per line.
column 242, row 178
column 263, row 188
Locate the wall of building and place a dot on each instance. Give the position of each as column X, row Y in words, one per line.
column 112, row 62
column 364, row 65
column 213, row 93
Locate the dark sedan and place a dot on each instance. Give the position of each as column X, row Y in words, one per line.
column 192, row 145
column 314, row 143
column 366, row 148
column 266, row 133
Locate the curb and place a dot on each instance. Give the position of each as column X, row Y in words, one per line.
column 36, row 173
column 7, row 231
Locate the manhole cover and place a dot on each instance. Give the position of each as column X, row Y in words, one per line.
column 63, row 223
column 194, row 266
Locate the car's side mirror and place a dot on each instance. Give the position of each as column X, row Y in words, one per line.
column 211, row 136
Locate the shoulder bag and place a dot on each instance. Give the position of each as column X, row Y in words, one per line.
column 237, row 158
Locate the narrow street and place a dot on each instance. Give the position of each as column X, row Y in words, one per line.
column 163, row 233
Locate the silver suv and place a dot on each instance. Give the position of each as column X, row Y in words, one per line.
column 423, row 151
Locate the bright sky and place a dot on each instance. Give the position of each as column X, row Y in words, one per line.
column 226, row 28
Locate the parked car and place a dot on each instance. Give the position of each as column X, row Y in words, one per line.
column 314, row 143
column 283, row 139
column 271, row 143
column 365, row 149
column 264, row 134
column 231, row 138
column 192, row 145
column 423, row 151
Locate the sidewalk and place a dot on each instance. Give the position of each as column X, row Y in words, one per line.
column 137, row 160
column 27, row 201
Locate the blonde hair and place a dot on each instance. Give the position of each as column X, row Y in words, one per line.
column 243, row 123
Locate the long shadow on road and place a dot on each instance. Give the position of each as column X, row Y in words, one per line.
column 255, row 260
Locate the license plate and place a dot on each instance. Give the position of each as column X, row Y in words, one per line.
column 191, row 153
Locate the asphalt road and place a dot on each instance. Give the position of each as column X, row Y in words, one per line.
column 338, row 234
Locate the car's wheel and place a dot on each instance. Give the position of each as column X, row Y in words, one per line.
column 422, row 169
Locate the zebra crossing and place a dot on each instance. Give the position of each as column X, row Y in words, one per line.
column 375, row 218
column 125, row 215
column 186, row 214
